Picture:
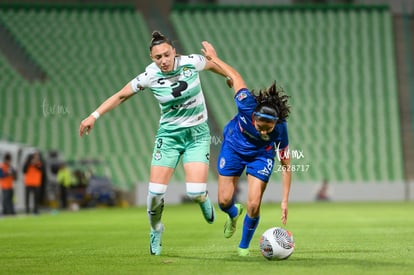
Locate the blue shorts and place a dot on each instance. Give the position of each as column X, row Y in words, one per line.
column 232, row 163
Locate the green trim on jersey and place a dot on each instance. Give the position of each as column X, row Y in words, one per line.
column 179, row 92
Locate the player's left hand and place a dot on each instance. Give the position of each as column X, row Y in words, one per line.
column 229, row 82
column 284, row 207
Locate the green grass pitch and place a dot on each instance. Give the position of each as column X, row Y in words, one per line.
column 331, row 238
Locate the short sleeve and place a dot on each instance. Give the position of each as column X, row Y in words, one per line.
column 140, row 82
column 283, row 135
column 197, row 60
column 245, row 101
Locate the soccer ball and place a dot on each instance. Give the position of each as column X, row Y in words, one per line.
column 276, row 243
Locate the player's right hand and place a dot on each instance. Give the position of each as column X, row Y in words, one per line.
column 86, row 125
column 208, row 50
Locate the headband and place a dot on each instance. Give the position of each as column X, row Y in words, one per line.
column 265, row 116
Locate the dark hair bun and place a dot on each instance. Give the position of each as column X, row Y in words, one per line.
column 158, row 38
column 156, row 35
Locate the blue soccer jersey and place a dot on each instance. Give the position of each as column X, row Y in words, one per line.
column 244, row 147
column 243, row 136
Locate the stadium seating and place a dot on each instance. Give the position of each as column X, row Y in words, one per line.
column 88, row 55
column 336, row 64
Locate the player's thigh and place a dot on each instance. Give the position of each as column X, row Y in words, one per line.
column 161, row 174
column 196, row 172
column 197, row 148
column 255, row 190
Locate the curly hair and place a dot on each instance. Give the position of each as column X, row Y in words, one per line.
column 272, row 101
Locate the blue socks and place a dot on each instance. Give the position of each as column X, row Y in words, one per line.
column 249, row 227
column 232, row 210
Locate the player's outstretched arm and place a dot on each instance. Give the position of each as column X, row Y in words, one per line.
column 211, row 55
column 217, row 69
column 121, row 96
column 286, row 182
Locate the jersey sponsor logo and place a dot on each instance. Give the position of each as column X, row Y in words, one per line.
column 222, row 162
column 243, row 131
column 184, row 105
column 178, row 87
column 249, row 135
column 241, row 96
column 139, row 86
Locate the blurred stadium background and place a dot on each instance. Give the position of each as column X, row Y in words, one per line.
column 347, row 65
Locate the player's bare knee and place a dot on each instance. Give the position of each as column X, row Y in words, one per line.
column 253, row 209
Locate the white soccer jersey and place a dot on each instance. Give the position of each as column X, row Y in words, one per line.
column 178, row 92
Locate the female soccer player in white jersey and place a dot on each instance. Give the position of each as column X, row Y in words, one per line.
column 183, row 130
column 249, row 143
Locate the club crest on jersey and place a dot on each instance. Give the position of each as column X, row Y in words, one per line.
column 241, row 96
column 222, row 162
column 158, row 155
column 187, row 72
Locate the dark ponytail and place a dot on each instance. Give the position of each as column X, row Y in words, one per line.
column 158, row 38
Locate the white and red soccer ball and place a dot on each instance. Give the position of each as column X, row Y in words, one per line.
column 276, row 243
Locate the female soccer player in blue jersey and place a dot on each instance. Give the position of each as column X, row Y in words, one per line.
column 183, row 131
column 250, row 142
